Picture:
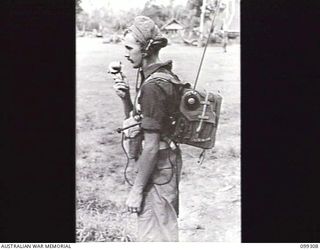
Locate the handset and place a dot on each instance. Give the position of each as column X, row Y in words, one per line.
column 115, row 68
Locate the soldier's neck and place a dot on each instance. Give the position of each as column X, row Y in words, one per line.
column 147, row 61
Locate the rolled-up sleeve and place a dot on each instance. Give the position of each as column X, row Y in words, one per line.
column 152, row 101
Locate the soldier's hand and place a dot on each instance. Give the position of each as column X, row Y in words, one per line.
column 121, row 87
column 134, row 201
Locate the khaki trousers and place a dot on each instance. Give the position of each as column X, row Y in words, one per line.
column 158, row 218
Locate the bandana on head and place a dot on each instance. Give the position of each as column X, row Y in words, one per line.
column 145, row 30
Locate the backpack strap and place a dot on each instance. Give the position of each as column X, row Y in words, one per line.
column 168, row 77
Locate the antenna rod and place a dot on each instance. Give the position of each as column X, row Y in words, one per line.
column 205, row 47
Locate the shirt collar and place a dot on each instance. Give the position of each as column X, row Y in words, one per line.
column 154, row 67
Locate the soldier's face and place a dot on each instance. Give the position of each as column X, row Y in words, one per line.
column 133, row 50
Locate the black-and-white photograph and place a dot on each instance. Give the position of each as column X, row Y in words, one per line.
column 158, row 121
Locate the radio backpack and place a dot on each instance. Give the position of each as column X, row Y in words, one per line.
column 197, row 118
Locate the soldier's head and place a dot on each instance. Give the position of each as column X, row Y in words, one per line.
column 143, row 40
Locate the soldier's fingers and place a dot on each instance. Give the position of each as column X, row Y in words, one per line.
column 119, row 80
column 121, row 85
column 120, row 88
column 120, row 93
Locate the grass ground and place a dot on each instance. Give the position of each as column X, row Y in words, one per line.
column 209, row 194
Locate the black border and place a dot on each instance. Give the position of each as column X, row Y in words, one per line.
column 37, row 180
column 280, row 121
column 280, row 110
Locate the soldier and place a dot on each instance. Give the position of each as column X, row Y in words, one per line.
column 224, row 40
column 154, row 194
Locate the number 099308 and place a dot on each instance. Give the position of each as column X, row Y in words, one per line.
column 308, row 245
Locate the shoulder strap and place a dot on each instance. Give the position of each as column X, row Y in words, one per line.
column 167, row 77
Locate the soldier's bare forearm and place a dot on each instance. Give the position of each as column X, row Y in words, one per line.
column 127, row 106
column 147, row 161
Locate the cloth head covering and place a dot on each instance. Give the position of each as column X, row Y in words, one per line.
column 147, row 32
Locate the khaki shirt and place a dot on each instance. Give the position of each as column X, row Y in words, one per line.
column 157, row 99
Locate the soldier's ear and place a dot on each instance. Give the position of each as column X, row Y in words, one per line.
column 144, row 54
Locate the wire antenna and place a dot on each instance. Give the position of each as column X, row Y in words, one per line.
column 205, row 47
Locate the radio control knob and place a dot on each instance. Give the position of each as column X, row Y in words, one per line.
column 191, row 101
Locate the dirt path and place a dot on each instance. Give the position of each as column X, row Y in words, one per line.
column 210, row 193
